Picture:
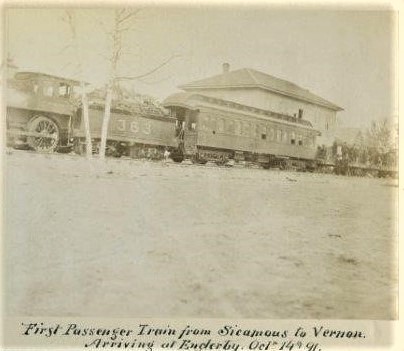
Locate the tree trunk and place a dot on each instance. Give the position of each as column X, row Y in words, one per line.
column 86, row 118
column 105, row 122
column 71, row 20
column 121, row 25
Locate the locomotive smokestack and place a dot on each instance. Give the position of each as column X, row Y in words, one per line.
column 226, row 67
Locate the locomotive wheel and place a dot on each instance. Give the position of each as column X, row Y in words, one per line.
column 46, row 138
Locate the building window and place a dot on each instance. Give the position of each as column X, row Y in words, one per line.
column 300, row 113
column 263, row 136
column 293, row 138
column 300, row 140
column 285, row 137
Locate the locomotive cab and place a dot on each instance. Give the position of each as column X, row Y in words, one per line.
column 39, row 110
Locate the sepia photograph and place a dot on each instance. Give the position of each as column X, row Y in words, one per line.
column 200, row 161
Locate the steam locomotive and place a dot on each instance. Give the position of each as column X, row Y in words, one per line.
column 40, row 110
column 44, row 114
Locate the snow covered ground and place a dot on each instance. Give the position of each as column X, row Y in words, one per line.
column 143, row 239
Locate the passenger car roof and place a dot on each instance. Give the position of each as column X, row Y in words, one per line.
column 45, row 77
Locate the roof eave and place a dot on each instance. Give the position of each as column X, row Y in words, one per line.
column 21, row 75
column 329, row 106
column 179, row 104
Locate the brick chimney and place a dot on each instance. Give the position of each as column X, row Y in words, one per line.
column 226, row 67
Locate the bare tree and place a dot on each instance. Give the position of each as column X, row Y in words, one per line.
column 381, row 140
column 380, row 136
column 70, row 18
column 123, row 21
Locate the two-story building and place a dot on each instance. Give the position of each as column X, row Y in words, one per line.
column 260, row 90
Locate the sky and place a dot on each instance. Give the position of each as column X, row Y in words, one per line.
column 345, row 56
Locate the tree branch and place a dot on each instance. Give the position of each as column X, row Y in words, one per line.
column 149, row 72
column 130, row 14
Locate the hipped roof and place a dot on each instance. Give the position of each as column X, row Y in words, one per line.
column 251, row 78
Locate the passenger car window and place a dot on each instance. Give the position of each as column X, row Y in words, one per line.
column 272, row 134
column 278, row 135
column 230, row 126
column 205, row 123
column 246, row 128
column 237, row 128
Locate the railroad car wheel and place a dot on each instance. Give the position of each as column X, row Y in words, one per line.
column 177, row 156
column 46, row 134
column 220, row 162
column 199, row 160
column 113, row 149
